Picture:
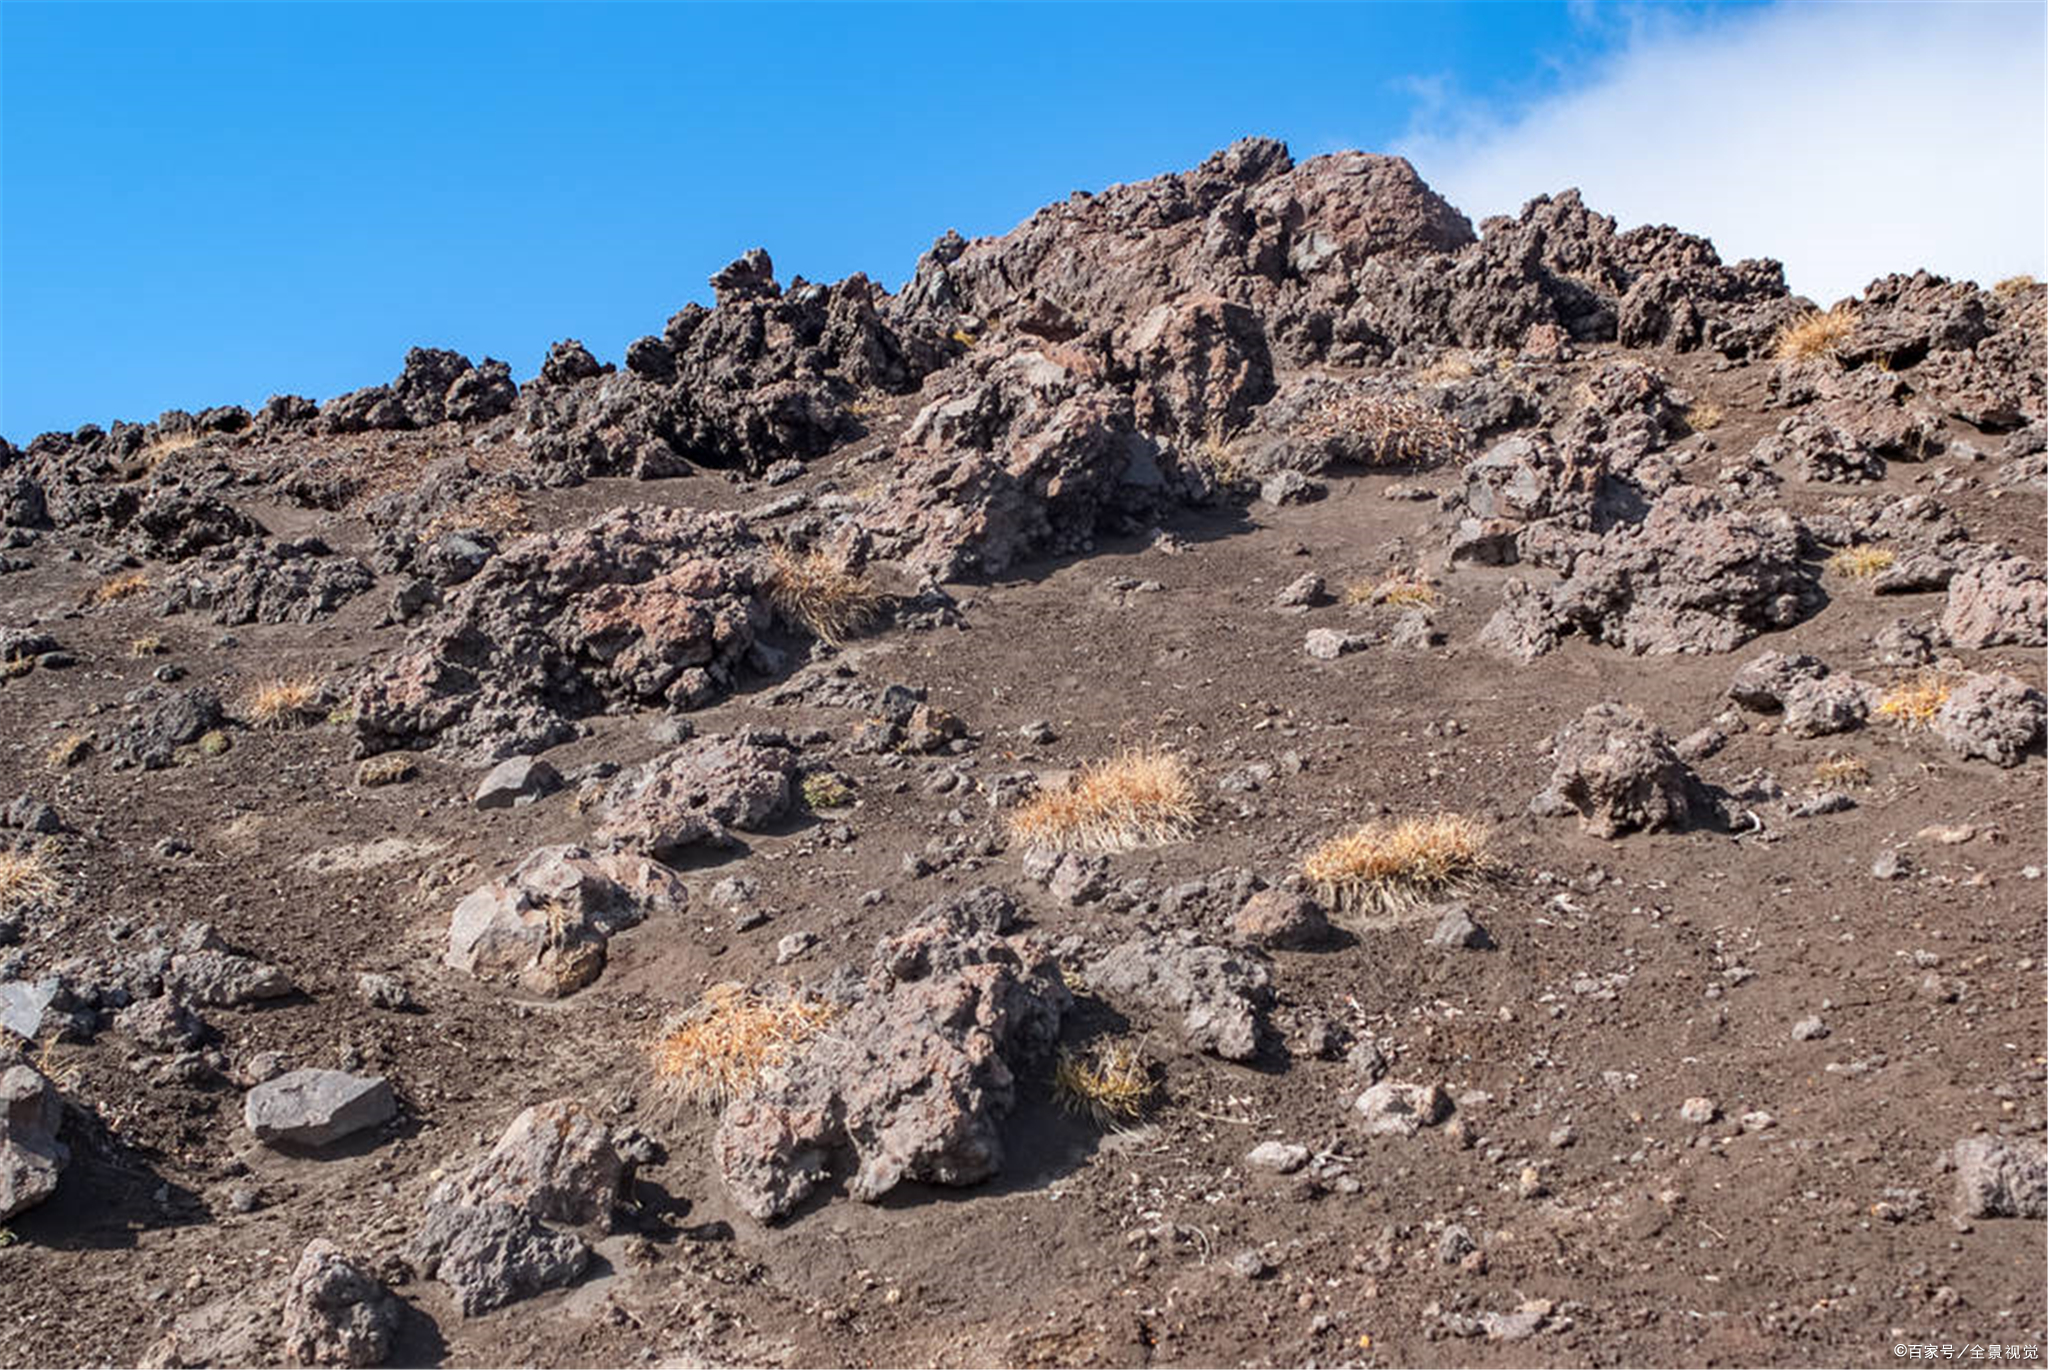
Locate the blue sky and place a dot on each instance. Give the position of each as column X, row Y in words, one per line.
column 210, row 204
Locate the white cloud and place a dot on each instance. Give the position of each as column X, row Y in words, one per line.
column 1845, row 140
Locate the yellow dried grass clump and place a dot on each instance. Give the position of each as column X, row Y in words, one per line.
column 1815, row 335
column 1841, row 769
column 1111, row 1085
column 1914, row 703
column 1387, row 867
column 1705, row 417
column 823, row 593
column 1861, row 562
column 119, row 587
column 67, row 751
column 717, row 1050
column 1401, row 590
column 2013, row 285
column 25, row 878
column 282, row 702
column 1143, row 796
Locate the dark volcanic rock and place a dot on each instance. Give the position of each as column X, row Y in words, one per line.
column 639, row 607
column 1618, row 771
column 916, row 1071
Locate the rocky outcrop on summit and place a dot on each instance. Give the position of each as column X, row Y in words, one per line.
column 766, row 376
column 638, row 607
column 916, row 1072
column 436, row 386
column 1018, row 454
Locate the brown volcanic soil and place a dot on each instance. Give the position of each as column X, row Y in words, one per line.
column 1606, row 1004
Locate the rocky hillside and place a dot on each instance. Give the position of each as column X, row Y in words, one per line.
column 1244, row 773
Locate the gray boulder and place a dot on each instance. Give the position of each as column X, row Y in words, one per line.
column 334, row 1314
column 556, row 1161
column 693, row 795
column 315, row 1108
column 545, row 926
column 916, row 1071
column 1619, row 772
column 494, row 1254
column 515, row 782
column 2000, row 603
column 1222, row 996
column 1393, row 1108
column 2001, row 1177
column 1992, row 716
column 31, row 1157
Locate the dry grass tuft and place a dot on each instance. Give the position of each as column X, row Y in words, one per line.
column 1861, row 562
column 1141, row 797
column 1401, row 590
column 1401, row 432
column 1914, row 703
column 392, row 768
column 1841, row 769
column 2014, row 285
column 1390, row 867
column 282, row 703
column 1448, row 368
column 823, row 593
column 1704, row 417
column 501, row 513
column 67, row 751
column 26, row 878
column 1111, row 1084
column 149, row 645
column 1818, row 334
column 119, row 587
column 1218, row 461
column 717, row 1050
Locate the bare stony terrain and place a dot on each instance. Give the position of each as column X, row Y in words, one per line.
column 417, row 790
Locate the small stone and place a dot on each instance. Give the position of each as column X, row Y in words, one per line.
column 1303, row 592
column 1396, row 1109
column 1282, row 1158
column 1455, row 1244
column 1809, row 1029
column 1291, row 487
column 1530, row 1183
column 1038, row 733
column 1250, row 1265
column 1327, row 644
column 1281, row 919
column 387, row 992
column 793, row 946
column 1456, row 931
column 1563, row 1137
column 1699, row 1111
column 517, row 782
column 1890, row 865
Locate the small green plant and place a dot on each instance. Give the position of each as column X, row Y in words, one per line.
column 214, row 743
column 824, row 790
